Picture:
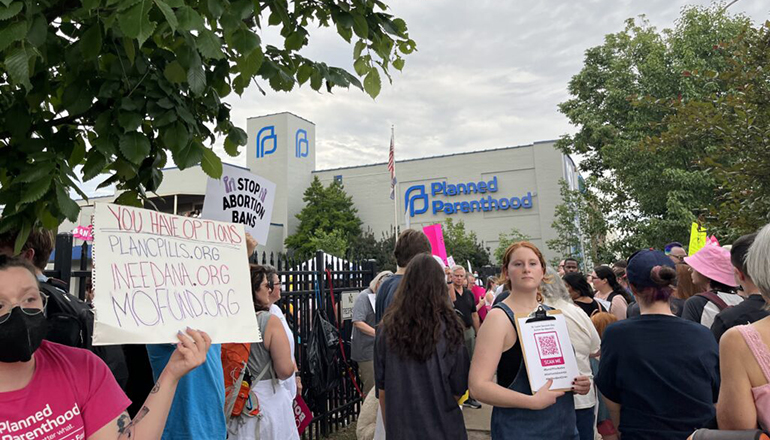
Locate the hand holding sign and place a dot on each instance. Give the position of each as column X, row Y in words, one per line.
column 190, row 353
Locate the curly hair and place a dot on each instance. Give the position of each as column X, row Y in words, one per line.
column 421, row 314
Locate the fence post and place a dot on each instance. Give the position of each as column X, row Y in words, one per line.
column 62, row 263
column 320, row 269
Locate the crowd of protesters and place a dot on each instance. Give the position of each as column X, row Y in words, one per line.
column 666, row 344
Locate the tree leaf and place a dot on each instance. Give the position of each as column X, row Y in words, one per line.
column 174, row 72
column 128, row 46
column 189, row 19
column 35, row 172
column 17, row 64
column 216, row 8
column 360, row 26
column 38, row 32
column 130, row 121
column 129, row 198
column 78, row 152
column 94, row 166
column 176, row 137
column 36, row 189
column 10, row 11
column 372, row 83
column 135, row 21
column 231, row 148
column 12, row 33
column 197, row 79
column 211, row 164
column 21, row 238
column 135, row 146
column 91, row 42
column 303, row 73
column 191, row 154
column 398, row 63
column 67, row 206
column 168, row 13
column 209, row 45
column 245, row 41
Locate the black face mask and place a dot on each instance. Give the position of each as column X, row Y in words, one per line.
column 21, row 335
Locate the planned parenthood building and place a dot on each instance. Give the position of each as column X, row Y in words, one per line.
column 492, row 191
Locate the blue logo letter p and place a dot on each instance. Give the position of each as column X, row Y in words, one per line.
column 409, row 199
column 262, row 140
column 302, row 147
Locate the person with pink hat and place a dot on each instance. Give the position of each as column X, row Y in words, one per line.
column 712, row 274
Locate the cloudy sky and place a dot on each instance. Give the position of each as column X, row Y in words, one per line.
column 487, row 74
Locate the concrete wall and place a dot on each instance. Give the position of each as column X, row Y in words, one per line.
column 534, row 169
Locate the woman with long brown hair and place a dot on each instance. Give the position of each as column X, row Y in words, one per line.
column 519, row 413
column 421, row 363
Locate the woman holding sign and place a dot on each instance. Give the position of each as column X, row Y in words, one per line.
column 56, row 392
column 518, row 412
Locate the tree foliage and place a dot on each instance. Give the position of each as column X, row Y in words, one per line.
column 506, row 239
column 93, row 87
column 328, row 218
column 727, row 133
column 649, row 197
column 581, row 229
column 368, row 246
column 464, row 245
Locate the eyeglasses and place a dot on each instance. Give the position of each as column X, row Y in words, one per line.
column 29, row 306
column 271, row 286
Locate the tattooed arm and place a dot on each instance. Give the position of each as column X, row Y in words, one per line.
column 151, row 419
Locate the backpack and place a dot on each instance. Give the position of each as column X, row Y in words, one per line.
column 714, row 298
column 71, row 323
column 70, row 320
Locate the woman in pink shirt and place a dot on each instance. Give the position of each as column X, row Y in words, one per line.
column 744, row 355
column 50, row 391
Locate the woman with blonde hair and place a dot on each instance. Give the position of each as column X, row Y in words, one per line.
column 744, row 355
column 518, row 412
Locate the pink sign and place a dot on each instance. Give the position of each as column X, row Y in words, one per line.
column 436, row 237
column 549, row 349
column 302, row 414
column 83, row 233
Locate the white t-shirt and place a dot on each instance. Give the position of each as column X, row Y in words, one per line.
column 585, row 341
column 291, row 383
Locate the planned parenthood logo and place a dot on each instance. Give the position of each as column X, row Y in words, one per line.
column 419, row 195
column 266, row 138
column 417, row 200
column 302, row 146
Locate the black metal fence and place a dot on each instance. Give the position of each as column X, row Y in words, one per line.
column 300, row 278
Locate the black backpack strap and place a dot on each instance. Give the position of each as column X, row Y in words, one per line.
column 713, row 297
column 508, row 312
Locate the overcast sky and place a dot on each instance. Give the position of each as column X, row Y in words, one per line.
column 487, row 74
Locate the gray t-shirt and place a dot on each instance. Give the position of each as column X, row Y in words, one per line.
column 259, row 356
column 362, row 345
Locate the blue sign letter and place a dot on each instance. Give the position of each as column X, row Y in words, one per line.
column 302, row 147
column 261, row 141
column 420, row 194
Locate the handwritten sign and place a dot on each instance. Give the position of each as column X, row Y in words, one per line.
column 157, row 273
column 697, row 239
column 241, row 196
column 450, row 261
column 436, row 237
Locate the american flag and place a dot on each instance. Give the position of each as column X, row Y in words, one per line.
column 392, row 167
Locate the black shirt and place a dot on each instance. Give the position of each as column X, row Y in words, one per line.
column 664, row 372
column 590, row 308
column 750, row 310
column 385, row 295
column 465, row 305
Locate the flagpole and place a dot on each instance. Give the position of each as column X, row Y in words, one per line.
column 395, row 199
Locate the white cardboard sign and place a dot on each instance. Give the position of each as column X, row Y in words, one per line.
column 156, row 274
column 241, row 196
column 348, row 299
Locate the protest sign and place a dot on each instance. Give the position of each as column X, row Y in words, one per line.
column 84, row 233
column 302, row 414
column 436, row 237
column 241, row 196
column 348, row 299
column 450, row 261
column 697, row 239
column 547, row 349
column 156, row 274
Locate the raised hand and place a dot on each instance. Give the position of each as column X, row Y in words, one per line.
column 190, row 353
column 251, row 244
column 545, row 397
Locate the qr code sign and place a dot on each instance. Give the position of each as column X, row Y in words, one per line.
column 549, row 348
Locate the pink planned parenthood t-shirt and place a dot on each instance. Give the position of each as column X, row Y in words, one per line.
column 72, row 395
